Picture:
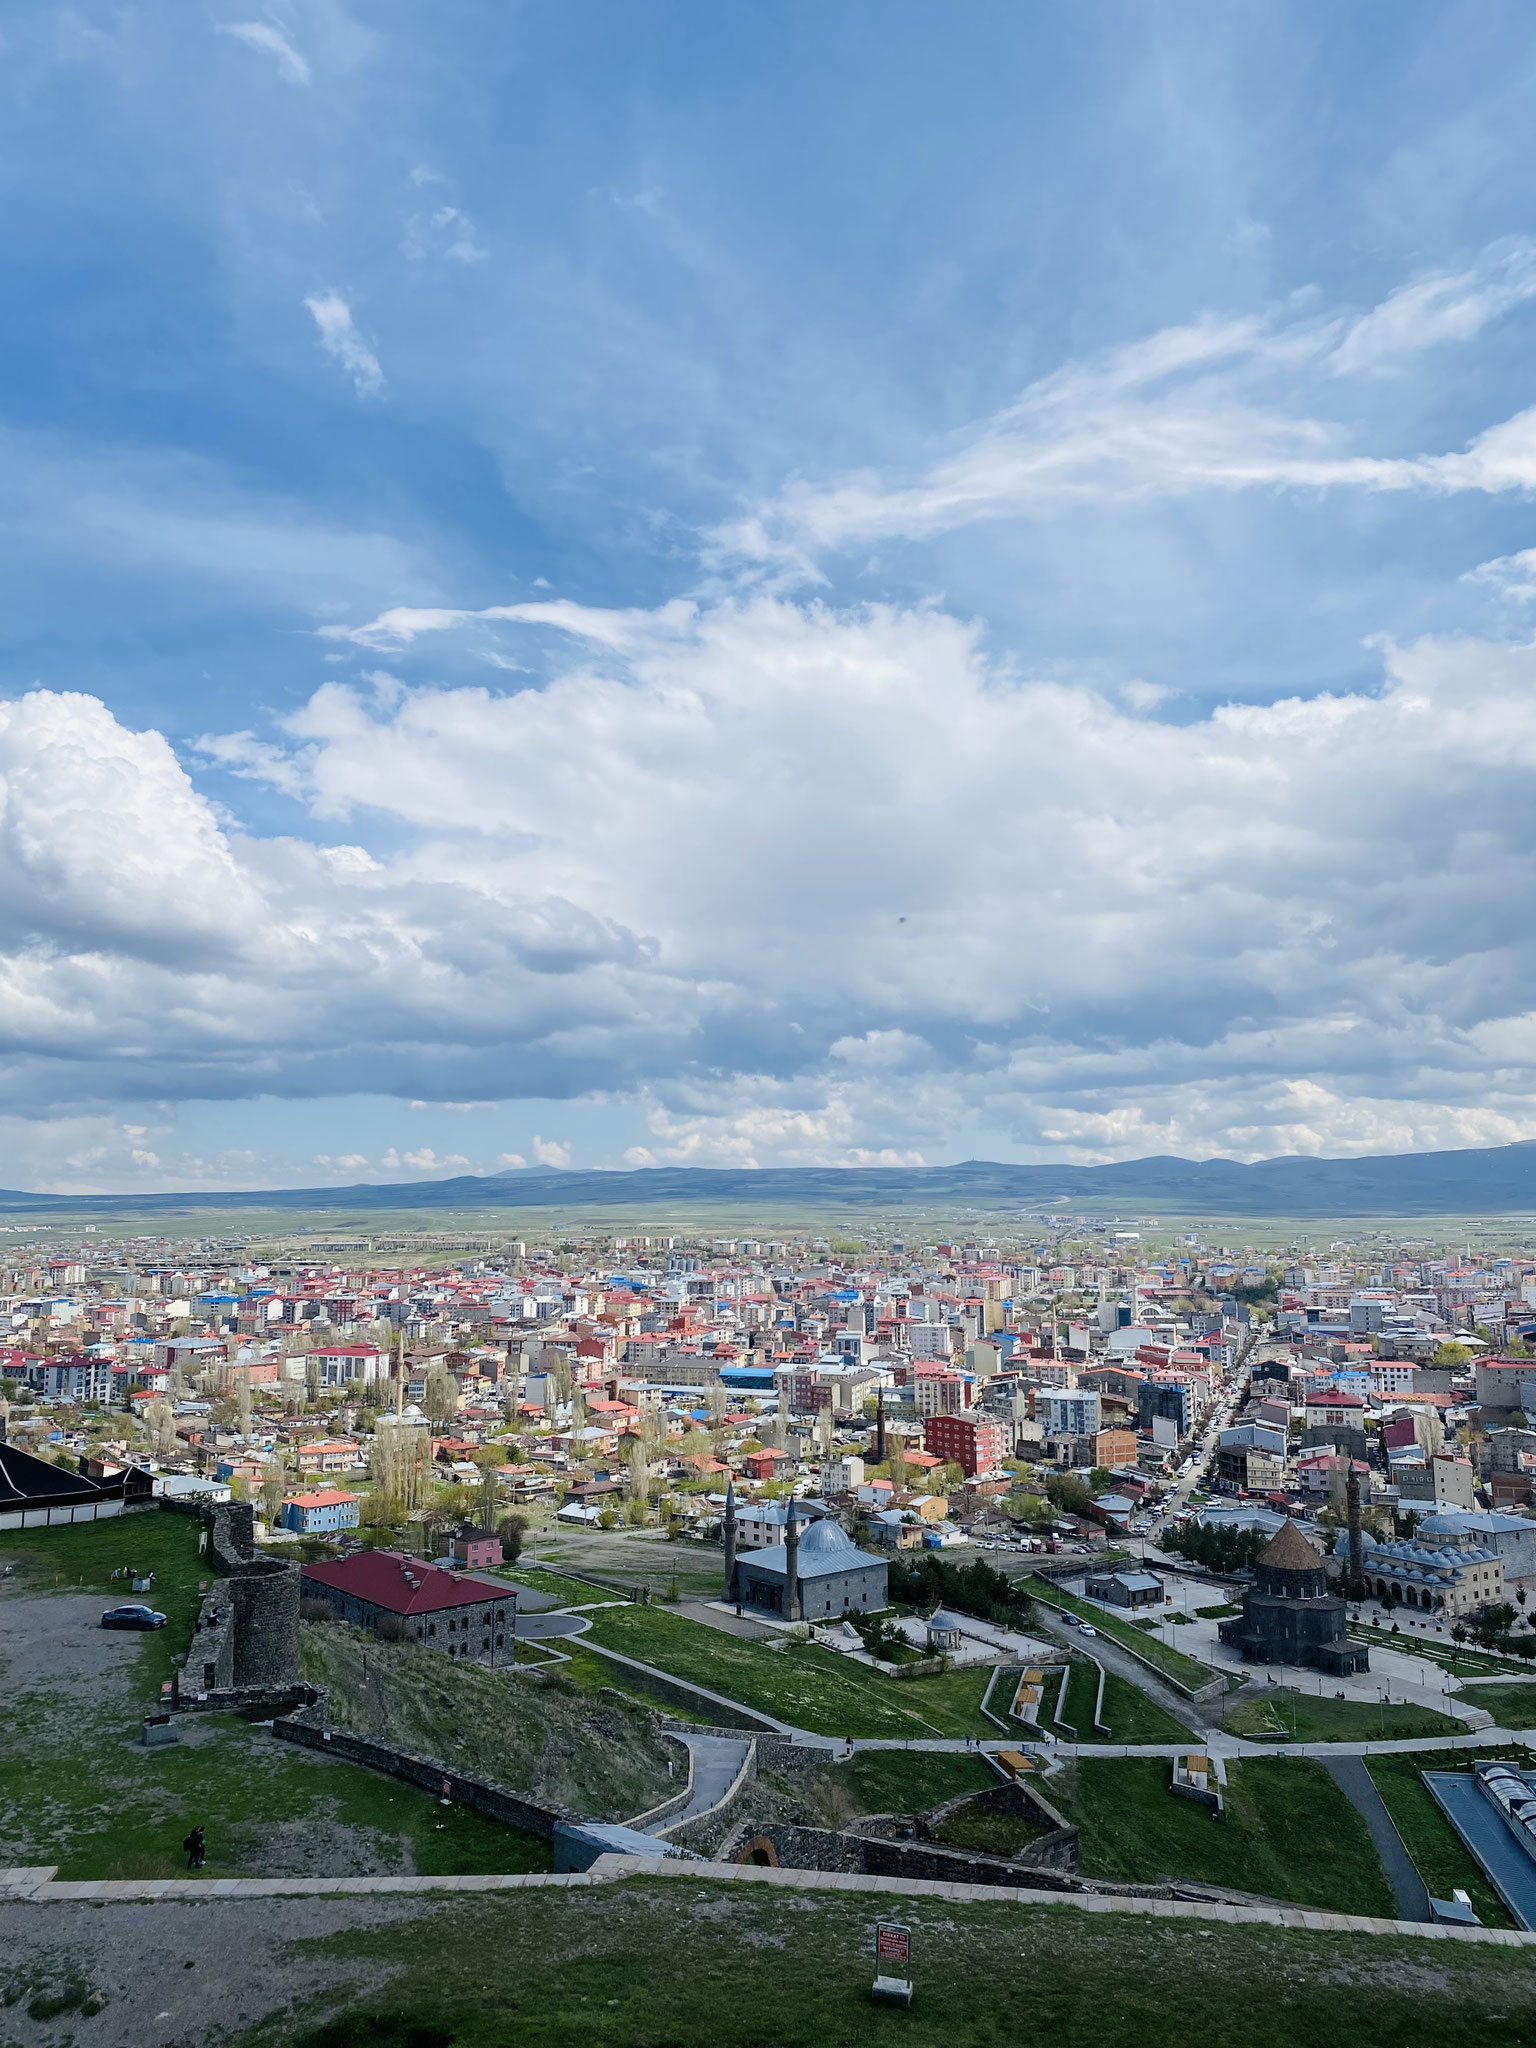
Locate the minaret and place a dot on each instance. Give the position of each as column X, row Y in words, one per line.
column 791, row 1564
column 879, row 1425
column 1356, row 1585
column 729, row 1533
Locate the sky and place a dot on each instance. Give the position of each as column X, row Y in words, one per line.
column 765, row 584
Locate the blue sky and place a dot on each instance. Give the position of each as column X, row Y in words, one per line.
column 762, row 584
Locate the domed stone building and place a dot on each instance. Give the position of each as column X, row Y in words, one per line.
column 1289, row 1616
column 818, row 1573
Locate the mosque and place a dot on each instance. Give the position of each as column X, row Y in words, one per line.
column 818, row 1573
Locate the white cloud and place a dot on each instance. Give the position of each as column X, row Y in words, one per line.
column 344, row 345
column 446, row 231
column 810, row 885
column 261, row 35
column 1512, row 577
column 1217, row 405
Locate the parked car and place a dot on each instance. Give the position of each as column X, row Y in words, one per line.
column 132, row 1617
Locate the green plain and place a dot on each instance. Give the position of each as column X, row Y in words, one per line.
column 1128, row 1713
column 1308, row 1718
column 799, row 1683
column 684, row 1964
column 1289, row 1832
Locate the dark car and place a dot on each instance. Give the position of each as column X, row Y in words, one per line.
column 132, row 1617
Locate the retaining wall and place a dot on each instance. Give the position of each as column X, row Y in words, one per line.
column 309, row 1727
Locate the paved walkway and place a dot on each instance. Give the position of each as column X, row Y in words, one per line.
column 40, row 1888
column 717, row 1764
column 1354, row 1781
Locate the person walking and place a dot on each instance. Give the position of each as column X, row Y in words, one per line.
column 196, row 1849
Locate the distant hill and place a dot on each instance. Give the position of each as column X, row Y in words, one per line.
column 1497, row 1180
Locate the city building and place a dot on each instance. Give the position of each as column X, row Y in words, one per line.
column 404, row 1599
column 969, row 1441
column 320, row 1514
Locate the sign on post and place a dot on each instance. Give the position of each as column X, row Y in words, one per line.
column 893, row 1963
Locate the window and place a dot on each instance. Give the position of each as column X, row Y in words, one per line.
column 431, row 1628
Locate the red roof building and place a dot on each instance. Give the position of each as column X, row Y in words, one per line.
column 426, row 1603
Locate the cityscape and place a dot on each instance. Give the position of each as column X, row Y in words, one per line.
column 767, row 1024
column 1067, row 1561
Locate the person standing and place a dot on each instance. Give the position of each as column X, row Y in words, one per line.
column 196, row 1849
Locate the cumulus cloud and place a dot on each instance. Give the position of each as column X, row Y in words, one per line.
column 1220, row 404
column 550, row 1152
column 263, row 36
column 343, row 344
column 829, row 883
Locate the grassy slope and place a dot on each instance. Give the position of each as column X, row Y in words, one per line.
column 1512, row 1706
column 77, row 1790
column 1289, row 1832
column 1440, row 1856
column 911, row 1781
column 801, row 1683
column 597, row 1753
column 1311, row 1719
column 681, row 1964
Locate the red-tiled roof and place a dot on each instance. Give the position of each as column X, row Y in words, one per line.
column 326, row 1497
column 403, row 1585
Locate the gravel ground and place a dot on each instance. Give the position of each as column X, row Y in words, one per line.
column 179, row 1974
column 54, row 1642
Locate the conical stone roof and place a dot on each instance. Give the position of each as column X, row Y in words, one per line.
column 1290, row 1551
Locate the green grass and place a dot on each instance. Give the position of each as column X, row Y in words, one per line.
column 1289, row 1832
column 912, row 1781
column 102, row 1808
column 574, row 1592
column 994, row 1834
column 1512, row 1706
column 1439, row 1854
column 1219, row 1613
column 83, row 1557
column 1309, row 1719
column 78, row 1790
column 1187, row 1670
column 1128, row 1714
column 801, row 1683
column 603, row 1757
column 1459, row 1660
column 684, row 1964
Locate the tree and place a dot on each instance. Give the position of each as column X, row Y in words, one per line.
column 161, row 1424
column 488, row 1494
column 398, row 1461
column 512, row 1529
column 1451, row 1357
column 637, row 1483
column 273, row 1487
column 243, row 1401
column 440, row 1396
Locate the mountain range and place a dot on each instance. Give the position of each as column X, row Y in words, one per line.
column 1496, row 1180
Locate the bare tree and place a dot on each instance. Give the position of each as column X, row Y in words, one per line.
column 273, row 1487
